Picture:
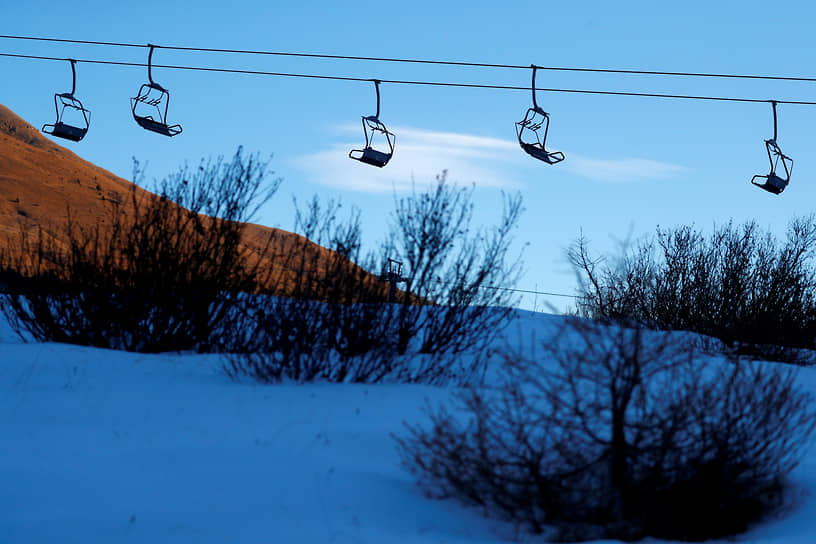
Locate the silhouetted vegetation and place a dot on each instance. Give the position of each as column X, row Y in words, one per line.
column 334, row 324
column 740, row 285
column 331, row 324
column 172, row 271
column 162, row 274
column 619, row 433
column 454, row 267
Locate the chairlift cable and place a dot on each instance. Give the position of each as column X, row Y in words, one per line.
column 623, row 71
column 516, row 290
column 530, row 291
column 425, row 83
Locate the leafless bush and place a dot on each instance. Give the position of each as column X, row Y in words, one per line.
column 461, row 271
column 619, row 433
column 337, row 323
column 161, row 274
column 739, row 285
column 332, row 324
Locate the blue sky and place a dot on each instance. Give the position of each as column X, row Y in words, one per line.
column 632, row 163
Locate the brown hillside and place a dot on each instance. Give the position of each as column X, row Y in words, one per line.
column 40, row 181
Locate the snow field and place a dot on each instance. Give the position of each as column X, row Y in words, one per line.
column 107, row 446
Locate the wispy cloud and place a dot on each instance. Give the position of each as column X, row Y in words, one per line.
column 626, row 169
column 419, row 155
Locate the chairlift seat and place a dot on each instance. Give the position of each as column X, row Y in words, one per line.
column 371, row 156
column 148, row 123
column 542, row 154
column 773, row 183
column 66, row 131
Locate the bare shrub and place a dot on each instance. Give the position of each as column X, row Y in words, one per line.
column 332, row 324
column 740, row 285
column 453, row 267
column 161, row 274
column 335, row 324
column 619, row 433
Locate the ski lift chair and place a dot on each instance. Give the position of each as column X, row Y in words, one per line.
column 774, row 183
column 532, row 132
column 374, row 129
column 392, row 269
column 392, row 273
column 69, row 107
column 149, row 106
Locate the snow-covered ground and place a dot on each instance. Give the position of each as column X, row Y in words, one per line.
column 106, row 446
